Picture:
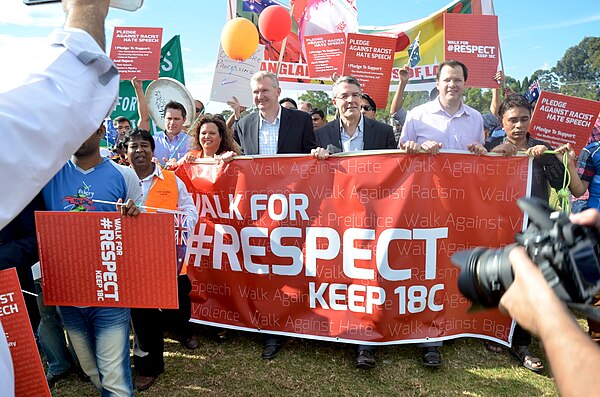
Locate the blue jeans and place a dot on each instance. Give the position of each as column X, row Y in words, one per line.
column 100, row 336
column 52, row 336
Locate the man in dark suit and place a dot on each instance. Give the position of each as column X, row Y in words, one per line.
column 274, row 130
column 353, row 131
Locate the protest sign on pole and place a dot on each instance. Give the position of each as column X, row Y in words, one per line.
column 355, row 249
column 105, row 259
column 30, row 379
column 171, row 65
column 559, row 119
column 325, row 55
column 369, row 59
column 232, row 78
column 136, row 52
column 473, row 40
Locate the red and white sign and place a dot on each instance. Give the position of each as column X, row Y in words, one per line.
column 369, row 59
column 325, row 54
column 351, row 249
column 105, row 259
column 473, row 40
column 560, row 119
column 30, row 379
column 136, row 52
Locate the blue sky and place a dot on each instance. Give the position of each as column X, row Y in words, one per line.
column 534, row 34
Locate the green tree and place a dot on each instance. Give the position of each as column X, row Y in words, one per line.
column 226, row 113
column 478, row 99
column 579, row 69
column 547, row 78
column 319, row 99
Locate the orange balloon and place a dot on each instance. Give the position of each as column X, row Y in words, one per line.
column 239, row 38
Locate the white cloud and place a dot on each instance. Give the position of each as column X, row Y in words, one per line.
column 14, row 12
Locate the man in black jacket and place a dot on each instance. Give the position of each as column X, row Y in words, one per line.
column 352, row 131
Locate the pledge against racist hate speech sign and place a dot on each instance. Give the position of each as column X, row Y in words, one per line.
column 107, row 260
column 369, row 58
column 30, row 379
column 559, row 119
column 352, row 249
column 325, row 54
column 136, row 52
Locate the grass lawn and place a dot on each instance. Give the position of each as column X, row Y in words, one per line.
column 313, row 368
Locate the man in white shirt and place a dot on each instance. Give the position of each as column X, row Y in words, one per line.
column 445, row 122
column 79, row 85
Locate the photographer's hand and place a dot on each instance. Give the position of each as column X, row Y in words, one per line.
column 573, row 356
column 589, row 217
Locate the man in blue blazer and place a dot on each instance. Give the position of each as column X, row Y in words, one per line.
column 273, row 129
column 353, row 131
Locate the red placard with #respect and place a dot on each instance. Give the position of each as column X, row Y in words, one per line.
column 325, row 54
column 560, row 119
column 30, row 379
column 105, row 259
column 473, row 40
column 136, row 52
column 370, row 58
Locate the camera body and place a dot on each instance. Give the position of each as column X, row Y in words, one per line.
column 566, row 253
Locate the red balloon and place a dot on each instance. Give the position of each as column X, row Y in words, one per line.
column 274, row 23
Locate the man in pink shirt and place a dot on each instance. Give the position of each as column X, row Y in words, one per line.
column 445, row 122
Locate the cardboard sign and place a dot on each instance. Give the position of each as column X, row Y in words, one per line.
column 136, row 52
column 560, row 119
column 232, row 78
column 105, row 259
column 325, row 54
column 473, row 40
column 30, row 379
column 353, row 249
column 369, row 59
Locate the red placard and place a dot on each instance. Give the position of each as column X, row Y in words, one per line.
column 473, row 40
column 560, row 119
column 325, row 54
column 136, row 52
column 369, row 59
column 30, row 379
column 352, row 249
column 105, row 259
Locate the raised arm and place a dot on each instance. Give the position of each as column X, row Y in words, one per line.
column 87, row 15
column 398, row 99
column 142, row 103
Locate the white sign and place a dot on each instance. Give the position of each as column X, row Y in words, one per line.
column 232, row 78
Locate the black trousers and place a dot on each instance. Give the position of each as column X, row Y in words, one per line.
column 149, row 324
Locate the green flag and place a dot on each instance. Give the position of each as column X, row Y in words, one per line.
column 171, row 65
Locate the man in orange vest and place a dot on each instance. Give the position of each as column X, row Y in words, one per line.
column 162, row 189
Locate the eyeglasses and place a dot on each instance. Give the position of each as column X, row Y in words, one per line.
column 354, row 95
column 367, row 108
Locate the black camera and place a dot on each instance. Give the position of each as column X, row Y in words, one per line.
column 566, row 253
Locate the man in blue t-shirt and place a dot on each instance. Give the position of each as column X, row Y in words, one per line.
column 100, row 335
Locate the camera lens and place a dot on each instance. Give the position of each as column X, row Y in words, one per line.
column 485, row 274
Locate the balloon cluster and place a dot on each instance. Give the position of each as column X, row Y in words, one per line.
column 239, row 37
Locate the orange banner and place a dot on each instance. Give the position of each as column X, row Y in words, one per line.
column 350, row 249
column 105, row 259
column 30, row 379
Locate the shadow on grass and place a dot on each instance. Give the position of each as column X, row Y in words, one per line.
column 314, row 368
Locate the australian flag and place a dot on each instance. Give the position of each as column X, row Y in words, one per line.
column 413, row 52
column 181, row 229
column 533, row 92
column 257, row 6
